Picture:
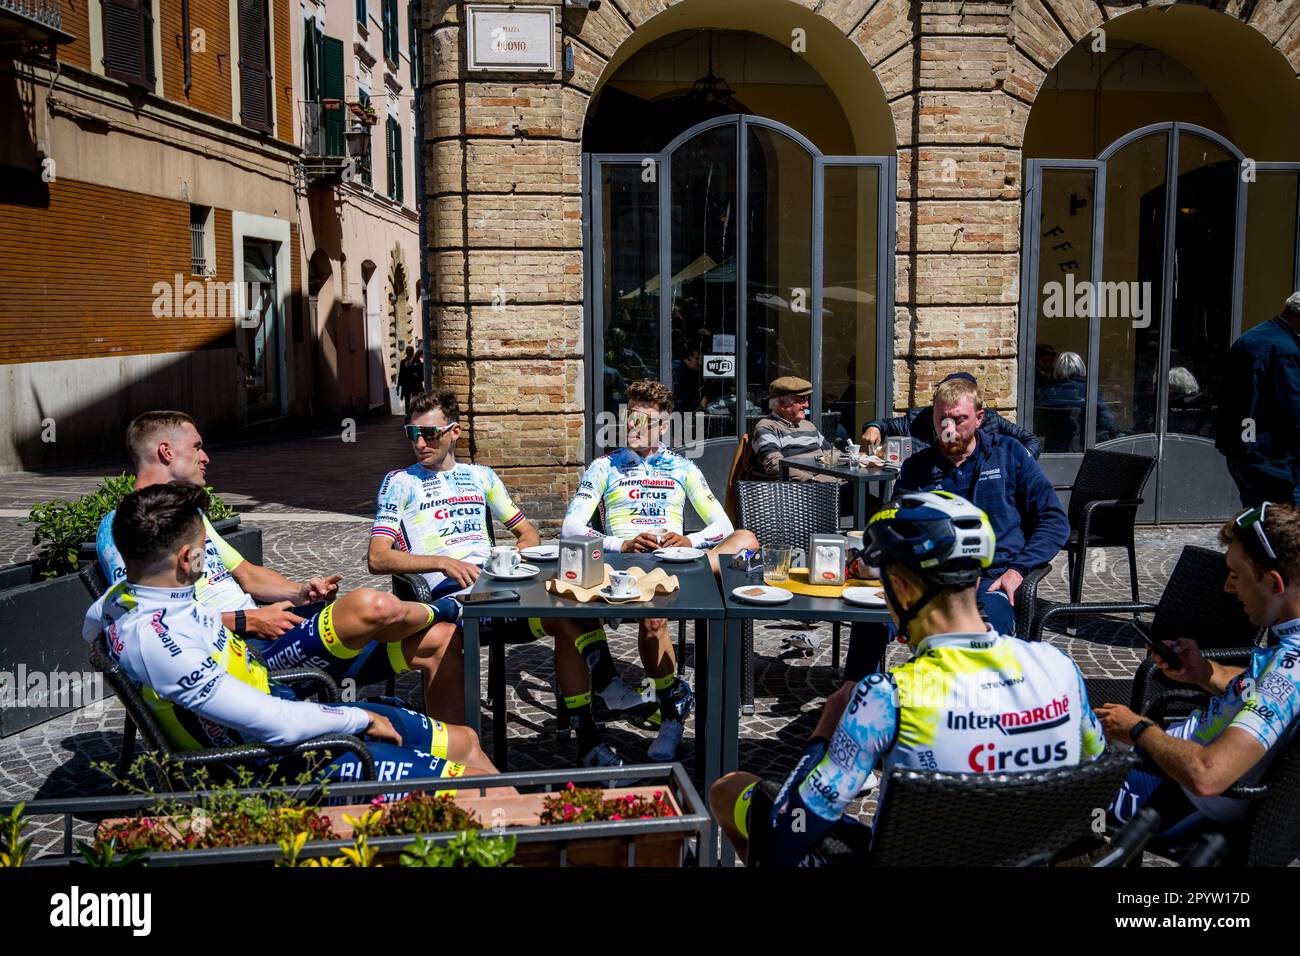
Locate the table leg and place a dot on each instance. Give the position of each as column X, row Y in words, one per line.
column 469, row 637
column 715, row 719
column 729, row 731
column 784, row 471
column 889, row 491
column 860, row 506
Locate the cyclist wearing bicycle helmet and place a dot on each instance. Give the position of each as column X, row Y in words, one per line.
column 969, row 701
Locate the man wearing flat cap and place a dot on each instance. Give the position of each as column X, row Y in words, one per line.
column 786, row 431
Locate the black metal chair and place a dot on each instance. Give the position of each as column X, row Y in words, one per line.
column 1126, row 847
column 140, row 717
column 930, row 818
column 1104, row 502
column 1193, row 605
column 1270, row 833
column 786, row 514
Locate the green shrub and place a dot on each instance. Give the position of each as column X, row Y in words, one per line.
column 62, row 526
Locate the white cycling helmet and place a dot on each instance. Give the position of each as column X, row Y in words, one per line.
column 943, row 538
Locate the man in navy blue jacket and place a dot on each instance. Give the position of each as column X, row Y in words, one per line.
column 920, row 424
column 997, row 474
column 1258, row 426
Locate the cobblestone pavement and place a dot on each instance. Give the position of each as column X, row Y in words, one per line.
column 311, row 528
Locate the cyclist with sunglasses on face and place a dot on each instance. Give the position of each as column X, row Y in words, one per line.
column 435, row 518
column 1190, row 764
column 642, row 490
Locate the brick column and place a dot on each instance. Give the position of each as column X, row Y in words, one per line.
column 959, row 206
column 505, row 246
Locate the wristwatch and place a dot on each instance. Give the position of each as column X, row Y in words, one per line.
column 1138, row 729
column 240, row 622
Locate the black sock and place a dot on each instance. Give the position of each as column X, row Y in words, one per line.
column 579, row 706
column 595, row 650
column 668, row 691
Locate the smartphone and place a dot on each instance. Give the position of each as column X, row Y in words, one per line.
column 490, row 597
column 1163, row 651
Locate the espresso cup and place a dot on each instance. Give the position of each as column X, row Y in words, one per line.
column 504, row 560
column 622, row 584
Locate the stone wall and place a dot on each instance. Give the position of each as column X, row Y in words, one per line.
column 502, row 160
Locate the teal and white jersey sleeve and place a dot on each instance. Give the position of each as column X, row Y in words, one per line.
column 591, row 491
column 865, row 731
column 717, row 525
column 110, row 559
column 1092, row 738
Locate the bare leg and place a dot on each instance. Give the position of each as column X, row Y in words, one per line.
column 439, row 655
column 738, row 540
column 366, row 615
column 722, row 801
column 570, row 666
column 656, row 645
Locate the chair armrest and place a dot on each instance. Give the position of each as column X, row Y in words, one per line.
column 327, row 687
column 247, row 753
column 1188, row 693
column 1103, row 607
column 1027, row 598
column 1127, row 845
column 1209, row 850
column 1103, row 504
column 416, row 584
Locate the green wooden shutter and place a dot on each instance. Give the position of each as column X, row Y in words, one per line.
column 332, row 89
column 398, row 178
column 368, row 160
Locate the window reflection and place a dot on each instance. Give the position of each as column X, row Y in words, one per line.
column 631, row 279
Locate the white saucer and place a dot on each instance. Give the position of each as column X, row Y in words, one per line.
column 761, row 594
column 543, row 552
column 522, row 572
column 678, row 555
column 608, row 594
column 865, row 597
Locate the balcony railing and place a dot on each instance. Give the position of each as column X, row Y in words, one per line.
column 44, row 12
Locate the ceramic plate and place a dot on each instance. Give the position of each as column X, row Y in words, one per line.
column 865, row 597
column 678, row 555
column 761, row 594
column 519, row 574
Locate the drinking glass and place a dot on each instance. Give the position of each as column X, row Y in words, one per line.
column 776, row 563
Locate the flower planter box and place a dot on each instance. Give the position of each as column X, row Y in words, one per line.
column 656, row 841
column 41, row 650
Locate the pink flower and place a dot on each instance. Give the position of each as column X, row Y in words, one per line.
column 378, row 801
column 570, row 785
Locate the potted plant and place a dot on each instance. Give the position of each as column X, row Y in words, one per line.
column 299, row 826
column 364, row 113
column 43, row 602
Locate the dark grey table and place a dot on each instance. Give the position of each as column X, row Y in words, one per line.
column 697, row 599
column 861, row 477
column 800, row 607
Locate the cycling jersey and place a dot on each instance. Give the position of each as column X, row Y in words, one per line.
column 443, row 513
column 965, row 703
column 216, row 589
column 207, row 690
column 642, row 494
column 1263, row 700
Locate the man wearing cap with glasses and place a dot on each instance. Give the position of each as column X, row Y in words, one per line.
column 786, row 431
column 1190, row 764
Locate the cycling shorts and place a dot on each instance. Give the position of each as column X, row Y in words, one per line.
column 847, row 844
column 316, row 643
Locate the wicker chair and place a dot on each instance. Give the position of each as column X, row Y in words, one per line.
column 784, row 513
column 1270, row 834
column 930, row 818
column 141, row 718
column 1104, row 501
column 1193, row 605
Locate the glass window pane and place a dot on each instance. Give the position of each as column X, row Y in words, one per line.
column 850, row 244
column 1133, row 258
column 778, row 322
column 630, row 279
column 1065, row 238
column 703, row 192
column 1270, row 245
column 1205, row 226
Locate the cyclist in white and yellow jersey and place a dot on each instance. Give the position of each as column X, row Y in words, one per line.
column 642, row 489
column 365, row 635
column 435, row 517
column 969, row 700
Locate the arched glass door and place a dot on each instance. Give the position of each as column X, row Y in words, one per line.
column 1135, row 274
column 778, row 262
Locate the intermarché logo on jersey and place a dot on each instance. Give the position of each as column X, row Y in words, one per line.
column 1026, row 721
